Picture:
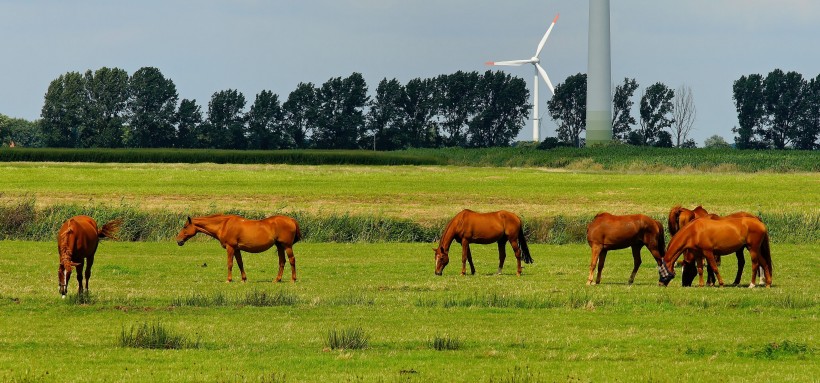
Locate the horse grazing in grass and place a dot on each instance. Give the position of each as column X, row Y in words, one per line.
column 614, row 232
column 77, row 242
column 237, row 234
column 680, row 217
column 483, row 228
column 708, row 238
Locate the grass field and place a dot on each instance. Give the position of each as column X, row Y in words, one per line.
column 542, row 327
column 421, row 193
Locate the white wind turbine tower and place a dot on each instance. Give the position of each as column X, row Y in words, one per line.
column 538, row 70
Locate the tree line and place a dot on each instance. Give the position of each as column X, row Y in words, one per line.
column 107, row 108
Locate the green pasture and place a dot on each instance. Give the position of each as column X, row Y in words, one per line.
column 420, row 193
column 544, row 326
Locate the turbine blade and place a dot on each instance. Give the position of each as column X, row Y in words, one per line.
column 546, row 35
column 545, row 77
column 510, row 63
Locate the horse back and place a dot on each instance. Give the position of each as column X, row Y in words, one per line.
column 621, row 231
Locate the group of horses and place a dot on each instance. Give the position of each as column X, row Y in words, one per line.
column 696, row 234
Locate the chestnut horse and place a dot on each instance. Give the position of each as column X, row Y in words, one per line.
column 680, row 217
column 614, row 232
column 714, row 237
column 237, row 234
column 77, row 242
column 483, row 228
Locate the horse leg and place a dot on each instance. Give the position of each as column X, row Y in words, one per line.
column 517, row 251
column 502, row 255
column 230, row 251
column 741, row 263
column 760, row 267
column 470, row 260
column 79, row 278
column 596, row 251
column 88, row 272
column 710, row 257
column 292, row 261
column 238, row 255
column 709, row 278
column 465, row 249
column 601, row 260
column 636, row 257
column 281, row 251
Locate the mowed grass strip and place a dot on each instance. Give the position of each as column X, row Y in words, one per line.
column 544, row 325
column 420, row 193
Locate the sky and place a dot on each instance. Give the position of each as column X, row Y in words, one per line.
column 206, row 46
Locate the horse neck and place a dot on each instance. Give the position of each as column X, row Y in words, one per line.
column 676, row 246
column 210, row 225
column 65, row 248
column 449, row 235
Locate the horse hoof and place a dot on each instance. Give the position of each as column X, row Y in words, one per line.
column 751, row 285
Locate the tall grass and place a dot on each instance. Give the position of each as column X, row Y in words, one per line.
column 21, row 220
column 154, row 336
column 445, row 343
column 347, row 339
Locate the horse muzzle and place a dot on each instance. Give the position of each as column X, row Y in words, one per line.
column 180, row 243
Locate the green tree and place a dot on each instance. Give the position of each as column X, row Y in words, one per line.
column 63, row 113
column 419, row 128
column 265, row 128
column 188, row 120
column 747, row 93
column 105, row 114
column 152, row 109
column 568, row 108
column 809, row 125
column 715, row 142
column 226, row 128
column 783, row 103
column 341, row 112
column 502, row 108
column 21, row 132
column 656, row 112
column 622, row 120
column 456, row 98
column 301, row 112
column 384, row 117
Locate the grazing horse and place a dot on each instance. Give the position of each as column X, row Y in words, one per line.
column 714, row 237
column 483, row 228
column 680, row 217
column 77, row 242
column 614, row 232
column 237, row 234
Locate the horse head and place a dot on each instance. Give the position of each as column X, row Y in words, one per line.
column 188, row 231
column 666, row 274
column 442, row 259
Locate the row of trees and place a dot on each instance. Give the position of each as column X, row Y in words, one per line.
column 777, row 111
column 109, row 108
column 666, row 119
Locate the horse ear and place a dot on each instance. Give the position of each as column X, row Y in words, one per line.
column 189, row 220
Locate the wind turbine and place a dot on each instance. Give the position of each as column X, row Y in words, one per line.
column 538, row 70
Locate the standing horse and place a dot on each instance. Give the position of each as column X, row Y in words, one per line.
column 680, row 217
column 237, row 234
column 714, row 237
column 77, row 242
column 614, row 232
column 483, row 228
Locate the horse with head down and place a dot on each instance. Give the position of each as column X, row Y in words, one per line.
column 77, row 242
column 614, row 232
column 709, row 238
column 483, row 228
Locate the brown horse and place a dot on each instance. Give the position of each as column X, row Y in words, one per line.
column 77, row 242
column 680, row 217
column 237, row 234
column 714, row 237
column 483, row 228
column 614, row 232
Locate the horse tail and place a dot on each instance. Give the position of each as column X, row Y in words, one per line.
column 674, row 214
column 525, row 250
column 766, row 252
column 298, row 235
column 110, row 229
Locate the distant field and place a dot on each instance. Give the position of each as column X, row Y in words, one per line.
column 542, row 327
column 420, row 193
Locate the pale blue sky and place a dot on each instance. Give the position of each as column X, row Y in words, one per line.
column 208, row 46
